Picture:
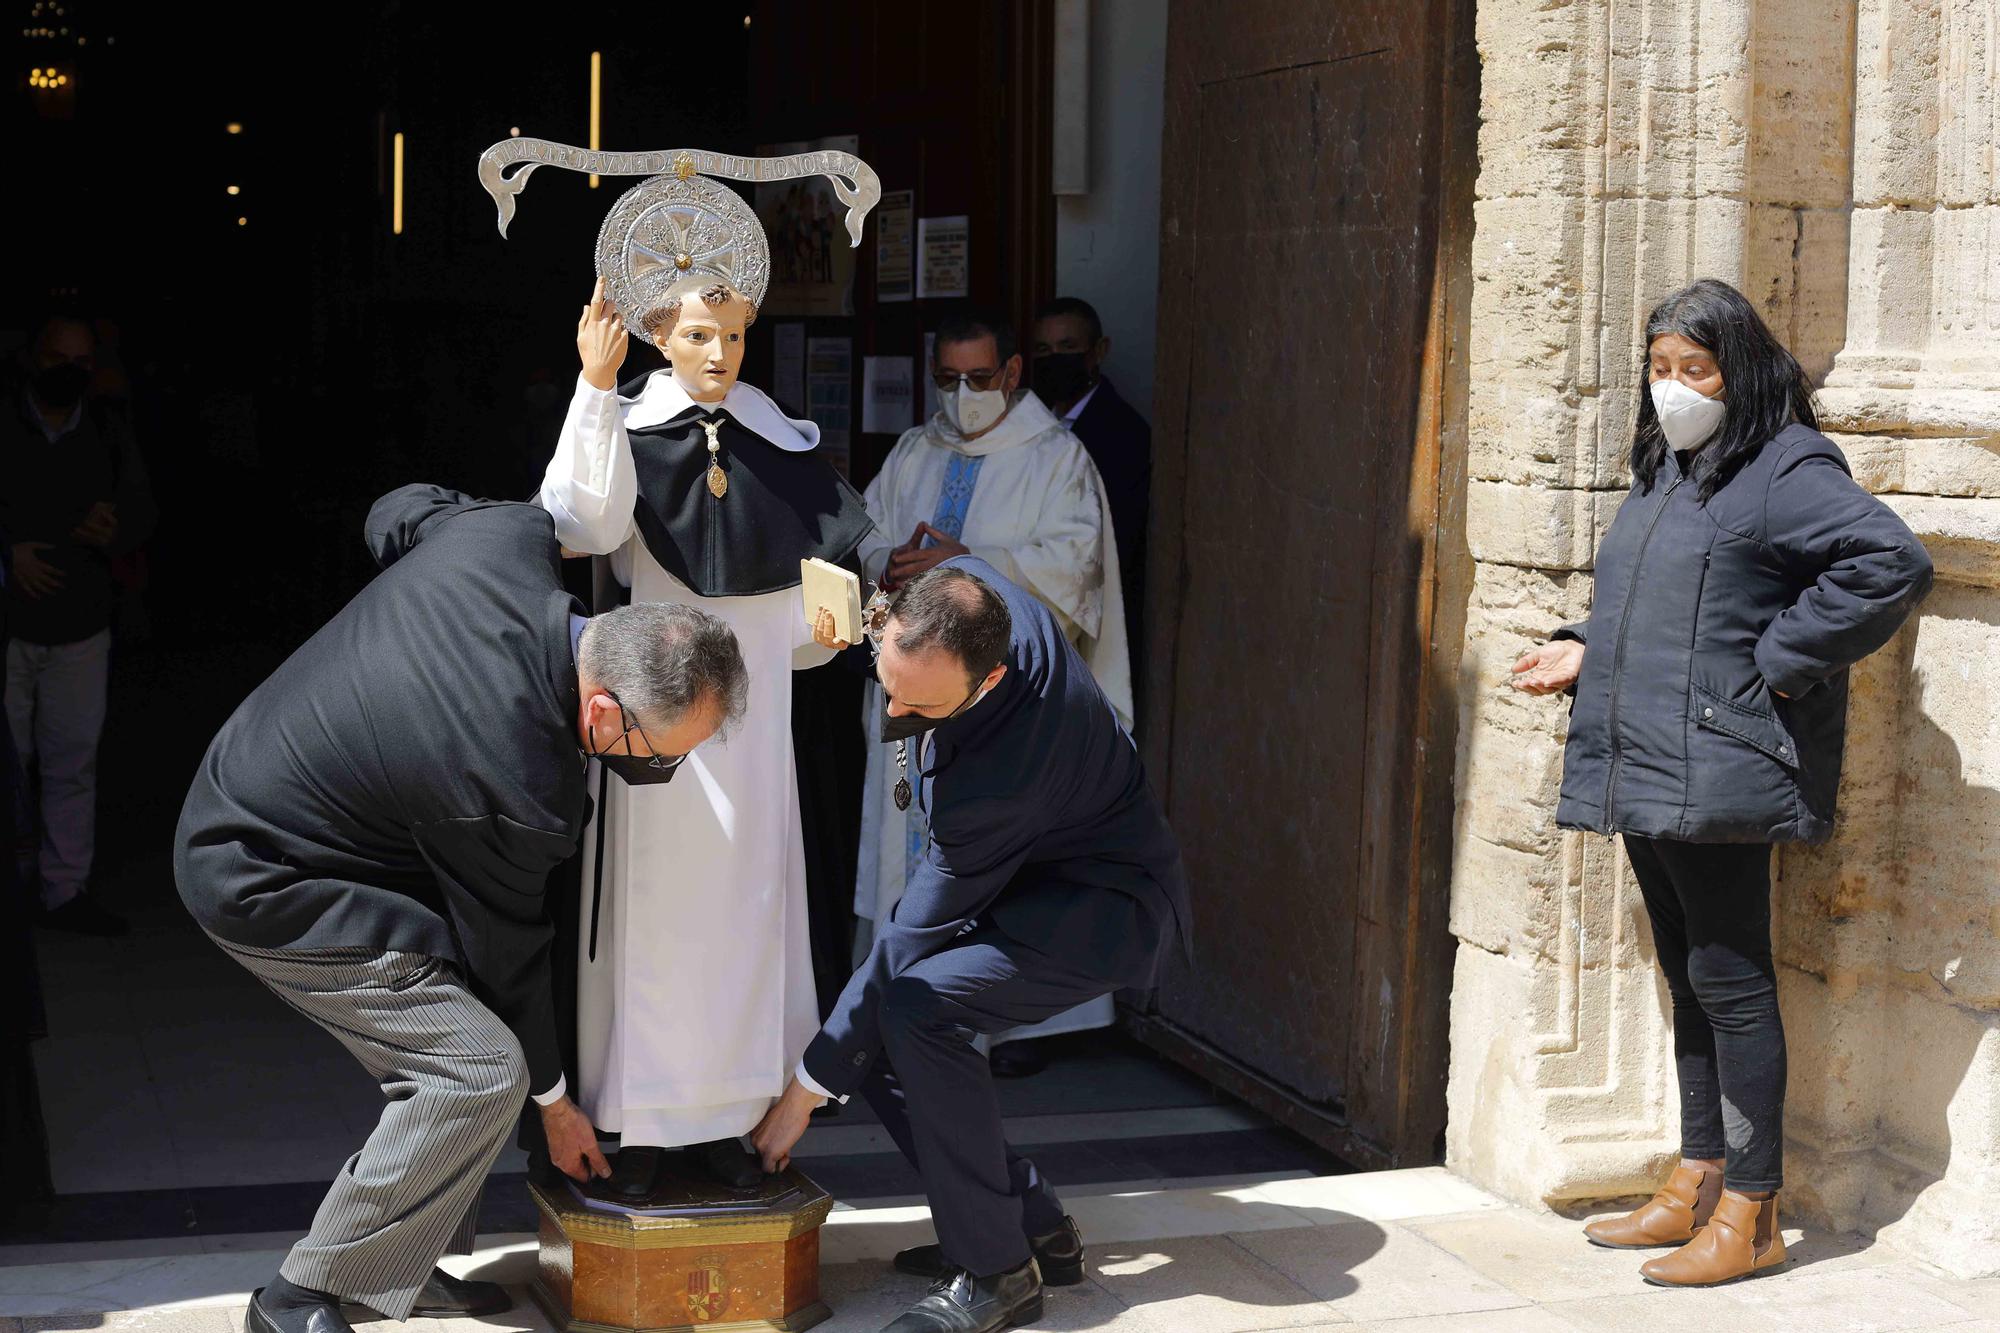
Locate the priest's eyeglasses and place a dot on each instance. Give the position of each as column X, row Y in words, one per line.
column 980, row 380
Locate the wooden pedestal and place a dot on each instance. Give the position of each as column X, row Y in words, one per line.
column 712, row 1262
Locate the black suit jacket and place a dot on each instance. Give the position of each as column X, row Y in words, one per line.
column 1041, row 824
column 1120, row 442
column 410, row 776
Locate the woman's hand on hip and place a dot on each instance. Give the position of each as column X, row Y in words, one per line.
column 1550, row 668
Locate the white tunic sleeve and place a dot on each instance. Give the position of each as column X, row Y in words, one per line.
column 590, row 486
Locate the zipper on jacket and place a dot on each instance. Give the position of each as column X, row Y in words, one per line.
column 1618, row 650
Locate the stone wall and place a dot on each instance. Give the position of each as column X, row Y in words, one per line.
column 1836, row 159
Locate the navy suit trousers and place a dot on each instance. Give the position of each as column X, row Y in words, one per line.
column 934, row 1091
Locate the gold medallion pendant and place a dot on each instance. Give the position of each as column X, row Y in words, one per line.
column 718, row 480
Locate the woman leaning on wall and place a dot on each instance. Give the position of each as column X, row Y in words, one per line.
column 1744, row 574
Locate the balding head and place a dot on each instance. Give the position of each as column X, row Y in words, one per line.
column 946, row 641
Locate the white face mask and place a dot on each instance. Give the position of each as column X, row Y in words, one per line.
column 1687, row 418
column 971, row 410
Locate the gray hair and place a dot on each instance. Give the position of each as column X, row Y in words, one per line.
column 663, row 660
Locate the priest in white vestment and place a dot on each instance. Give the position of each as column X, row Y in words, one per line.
column 695, row 994
column 996, row 474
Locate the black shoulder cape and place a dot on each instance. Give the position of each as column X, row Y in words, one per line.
column 780, row 507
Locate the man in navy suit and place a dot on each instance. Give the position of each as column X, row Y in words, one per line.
column 1050, row 879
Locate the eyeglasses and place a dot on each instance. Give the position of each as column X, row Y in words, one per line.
column 982, row 380
column 664, row 763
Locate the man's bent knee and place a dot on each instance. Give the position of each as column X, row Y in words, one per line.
column 911, row 1005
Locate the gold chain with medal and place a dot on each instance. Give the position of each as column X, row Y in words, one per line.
column 718, row 480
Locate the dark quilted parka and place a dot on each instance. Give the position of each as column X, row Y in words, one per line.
column 1703, row 615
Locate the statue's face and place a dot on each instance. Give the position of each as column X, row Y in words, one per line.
column 705, row 347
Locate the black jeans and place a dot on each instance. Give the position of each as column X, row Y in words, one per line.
column 1710, row 904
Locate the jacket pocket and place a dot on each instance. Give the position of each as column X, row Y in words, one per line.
column 1761, row 731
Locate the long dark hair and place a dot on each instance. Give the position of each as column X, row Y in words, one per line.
column 1763, row 385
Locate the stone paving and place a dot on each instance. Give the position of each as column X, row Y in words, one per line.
column 1403, row 1251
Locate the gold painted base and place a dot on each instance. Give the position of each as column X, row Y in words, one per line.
column 708, row 1262
column 813, row 1314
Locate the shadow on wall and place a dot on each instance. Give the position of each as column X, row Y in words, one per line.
column 1891, row 944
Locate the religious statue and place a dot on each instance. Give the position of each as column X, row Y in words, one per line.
column 695, row 991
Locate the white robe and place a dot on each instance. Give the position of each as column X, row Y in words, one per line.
column 1039, row 515
column 701, row 997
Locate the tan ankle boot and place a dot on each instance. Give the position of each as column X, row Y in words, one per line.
column 1671, row 1217
column 1740, row 1240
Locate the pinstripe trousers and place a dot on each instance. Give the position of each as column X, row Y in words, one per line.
column 455, row 1081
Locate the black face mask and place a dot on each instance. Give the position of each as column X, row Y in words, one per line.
column 62, row 385
column 1062, row 377
column 916, row 724
column 637, row 770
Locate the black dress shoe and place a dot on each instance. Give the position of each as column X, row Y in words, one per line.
column 726, row 1160
column 314, row 1319
column 634, row 1173
column 446, row 1297
column 1018, row 1059
column 84, row 915
column 1059, row 1255
column 962, row 1303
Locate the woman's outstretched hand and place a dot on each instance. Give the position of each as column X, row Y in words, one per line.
column 1550, row 668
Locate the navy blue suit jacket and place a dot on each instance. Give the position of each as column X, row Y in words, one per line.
column 1041, row 825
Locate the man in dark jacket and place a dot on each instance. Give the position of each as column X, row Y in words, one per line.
column 1070, row 351
column 371, row 832
column 72, row 499
column 1050, row 879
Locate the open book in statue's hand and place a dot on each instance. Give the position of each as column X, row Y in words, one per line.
column 827, row 590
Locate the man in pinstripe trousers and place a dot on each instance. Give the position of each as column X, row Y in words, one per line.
column 370, row 835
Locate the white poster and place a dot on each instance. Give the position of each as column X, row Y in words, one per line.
column 943, row 246
column 830, row 397
column 888, row 386
column 930, row 385
column 788, row 374
column 895, row 264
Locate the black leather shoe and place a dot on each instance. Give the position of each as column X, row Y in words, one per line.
column 1018, row 1059
column 446, row 1297
column 317, row 1319
column 1059, row 1255
column 634, row 1172
column 962, row 1303
column 727, row 1161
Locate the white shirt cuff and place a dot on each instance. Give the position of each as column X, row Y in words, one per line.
column 811, row 1084
column 555, row 1094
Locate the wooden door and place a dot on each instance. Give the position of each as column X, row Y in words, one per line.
column 1315, row 214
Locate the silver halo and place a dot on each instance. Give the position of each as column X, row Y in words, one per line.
column 665, row 231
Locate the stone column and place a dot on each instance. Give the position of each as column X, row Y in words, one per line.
column 1836, row 160
column 1890, row 935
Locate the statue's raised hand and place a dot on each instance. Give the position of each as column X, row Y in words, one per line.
column 600, row 340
